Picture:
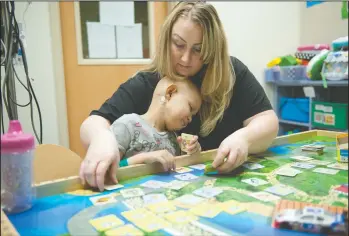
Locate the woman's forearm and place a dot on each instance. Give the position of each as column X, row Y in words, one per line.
column 91, row 127
column 260, row 131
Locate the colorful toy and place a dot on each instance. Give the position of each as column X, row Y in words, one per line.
column 284, row 61
column 342, row 147
column 335, row 66
column 312, row 218
column 315, row 65
column 340, row 44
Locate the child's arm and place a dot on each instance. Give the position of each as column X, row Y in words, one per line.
column 163, row 156
column 123, row 138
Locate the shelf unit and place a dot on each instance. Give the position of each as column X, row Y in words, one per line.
column 277, row 85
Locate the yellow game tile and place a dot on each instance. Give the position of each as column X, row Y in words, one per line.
column 232, row 207
column 124, row 230
column 207, row 210
column 106, row 222
column 181, row 216
column 152, row 224
column 161, row 207
column 83, row 192
column 138, row 214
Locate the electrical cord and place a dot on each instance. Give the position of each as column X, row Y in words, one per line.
column 14, row 31
column 5, row 52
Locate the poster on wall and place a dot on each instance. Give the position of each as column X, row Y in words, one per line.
column 311, row 3
column 345, row 10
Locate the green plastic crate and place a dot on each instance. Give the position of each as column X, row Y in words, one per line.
column 329, row 115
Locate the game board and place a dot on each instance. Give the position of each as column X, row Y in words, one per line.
column 242, row 205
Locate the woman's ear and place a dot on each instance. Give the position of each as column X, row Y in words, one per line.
column 170, row 91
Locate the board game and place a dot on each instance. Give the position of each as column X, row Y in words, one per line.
column 188, row 201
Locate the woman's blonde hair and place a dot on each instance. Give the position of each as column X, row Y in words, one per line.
column 219, row 79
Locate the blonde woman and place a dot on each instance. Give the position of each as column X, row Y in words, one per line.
column 236, row 116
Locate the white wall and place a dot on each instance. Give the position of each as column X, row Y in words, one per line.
column 322, row 23
column 45, row 67
column 260, row 31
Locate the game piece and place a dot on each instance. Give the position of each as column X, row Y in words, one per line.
column 186, row 138
column 232, row 207
column 113, row 187
column 340, row 166
column 303, row 165
column 134, row 203
column 342, row 147
column 188, row 200
column 254, row 181
column 186, row 176
column 288, row 171
column 210, row 182
column 279, row 189
column 302, row 158
column 198, row 166
column 182, row 170
column 161, row 207
column 208, row 210
column 131, row 192
column 152, row 224
column 103, row 199
column 180, row 217
column 312, row 218
column 176, row 184
column 264, row 196
column 128, row 229
column 106, row 222
column 140, row 214
column 154, row 184
column 154, row 198
column 319, row 162
column 326, row 171
column 343, row 189
column 207, row 192
column 253, row 166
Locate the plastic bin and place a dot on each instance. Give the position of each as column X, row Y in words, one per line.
column 330, row 115
column 294, row 109
column 286, row 73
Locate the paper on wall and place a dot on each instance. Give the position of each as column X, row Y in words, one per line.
column 129, row 42
column 116, row 13
column 101, row 40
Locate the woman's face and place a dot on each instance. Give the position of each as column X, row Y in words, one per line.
column 186, row 43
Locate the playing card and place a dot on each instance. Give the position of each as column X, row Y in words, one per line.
column 104, row 199
column 339, row 166
column 302, row 158
column 131, row 192
column 161, row 207
column 140, row 214
column 198, row 166
column 254, row 181
column 319, row 162
column 113, row 187
column 154, row 198
column 183, row 170
column 186, row 138
column 253, row 166
column 326, row 171
column 264, row 196
column 154, row 184
column 207, row 192
column 288, row 172
column 232, row 207
column 176, row 184
column 303, row 165
column 106, row 222
column 134, row 203
column 180, row 217
column 280, row 190
column 207, row 210
column 152, row 224
column 186, row 176
column 128, row 229
column 188, row 200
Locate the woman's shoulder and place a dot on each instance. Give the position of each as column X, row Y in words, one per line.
column 239, row 66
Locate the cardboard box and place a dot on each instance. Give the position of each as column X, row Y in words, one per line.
column 342, row 147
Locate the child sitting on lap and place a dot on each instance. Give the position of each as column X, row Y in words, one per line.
column 151, row 137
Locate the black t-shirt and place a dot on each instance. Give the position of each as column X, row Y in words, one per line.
column 135, row 95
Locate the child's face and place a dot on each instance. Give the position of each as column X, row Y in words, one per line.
column 180, row 107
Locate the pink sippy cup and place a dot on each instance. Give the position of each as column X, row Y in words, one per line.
column 17, row 154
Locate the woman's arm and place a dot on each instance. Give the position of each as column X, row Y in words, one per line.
column 91, row 127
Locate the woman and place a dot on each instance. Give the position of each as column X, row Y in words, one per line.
column 236, row 116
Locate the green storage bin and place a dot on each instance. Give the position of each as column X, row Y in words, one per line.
column 329, row 115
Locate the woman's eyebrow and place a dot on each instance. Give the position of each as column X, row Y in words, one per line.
column 177, row 36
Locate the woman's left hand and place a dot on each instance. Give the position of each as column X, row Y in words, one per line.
column 232, row 153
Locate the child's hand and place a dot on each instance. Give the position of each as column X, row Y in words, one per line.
column 166, row 159
column 192, row 147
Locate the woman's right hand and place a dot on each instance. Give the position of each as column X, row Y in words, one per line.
column 102, row 156
column 166, row 159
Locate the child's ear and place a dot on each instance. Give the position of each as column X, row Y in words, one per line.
column 170, row 91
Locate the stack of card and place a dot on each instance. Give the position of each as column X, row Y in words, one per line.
column 186, row 138
column 288, row 171
column 319, row 149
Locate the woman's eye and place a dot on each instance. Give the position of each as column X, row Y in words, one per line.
column 179, row 45
column 197, row 50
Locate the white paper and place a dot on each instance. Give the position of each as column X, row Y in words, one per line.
column 129, row 42
column 116, row 13
column 101, row 40
column 309, row 92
